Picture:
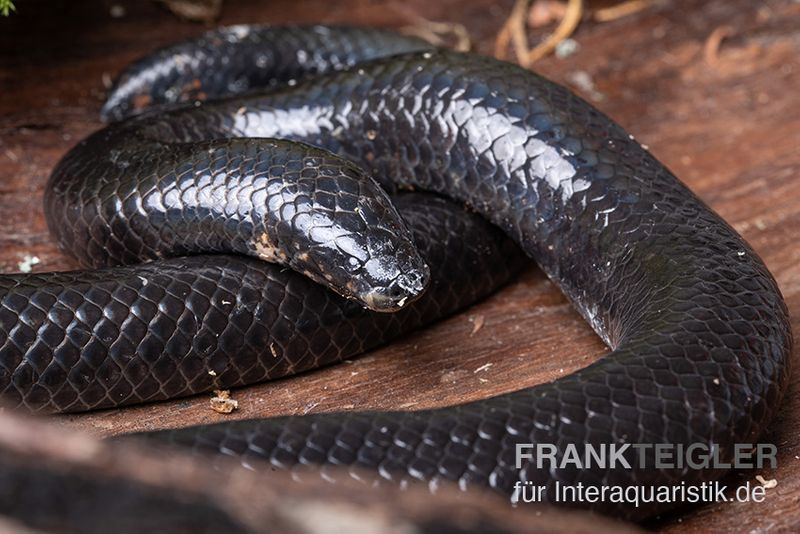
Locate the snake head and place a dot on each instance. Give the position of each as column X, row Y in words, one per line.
column 392, row 274
column 330, row 221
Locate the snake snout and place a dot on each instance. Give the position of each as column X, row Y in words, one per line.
column 410, row 278
column 412, row 283
column 403, row 290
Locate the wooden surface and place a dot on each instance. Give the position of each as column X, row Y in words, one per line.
column 729, row 127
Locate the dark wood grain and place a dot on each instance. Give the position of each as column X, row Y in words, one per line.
column 729, row 128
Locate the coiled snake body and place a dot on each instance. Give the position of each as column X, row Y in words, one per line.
column 698, row 330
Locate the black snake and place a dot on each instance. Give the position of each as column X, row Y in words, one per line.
column 698, row 329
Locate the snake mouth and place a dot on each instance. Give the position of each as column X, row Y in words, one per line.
column 402, row 291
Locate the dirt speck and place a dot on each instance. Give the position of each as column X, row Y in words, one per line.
column 453, row 376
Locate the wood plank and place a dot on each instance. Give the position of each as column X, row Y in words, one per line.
column 730, row 129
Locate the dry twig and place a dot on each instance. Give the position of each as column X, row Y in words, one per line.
column 714, row 41
column 515, row 32
column 434, row 32
column 546, row 12
column 623, row 9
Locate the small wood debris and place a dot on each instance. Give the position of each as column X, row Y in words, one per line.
column 584, row 82
column 27, row 263
column 514, row 33
column 195, row 10
column 484, row 367
column 566, row 48
column 477, row 323
column 713, row 43
column 453, row 376
column 767, row 484
column 436, row 33
column 623, row 9
column 222, row 402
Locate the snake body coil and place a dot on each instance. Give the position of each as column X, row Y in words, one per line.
column 698, row 329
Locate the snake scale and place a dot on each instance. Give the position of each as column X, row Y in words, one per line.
column 277, row 165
